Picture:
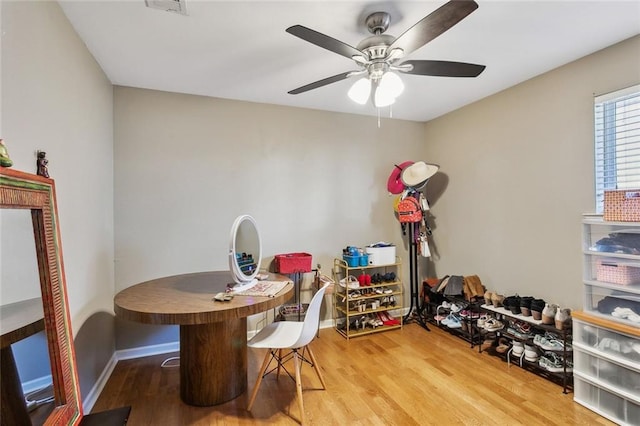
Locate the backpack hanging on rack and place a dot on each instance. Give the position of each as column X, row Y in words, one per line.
column 409, row 210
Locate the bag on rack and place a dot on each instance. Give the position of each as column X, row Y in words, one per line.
column 454, row 286
column 409, row 210
column 427, row 291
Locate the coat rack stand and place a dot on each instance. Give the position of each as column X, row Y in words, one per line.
column 415, row 312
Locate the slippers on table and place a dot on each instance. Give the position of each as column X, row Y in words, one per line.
column 223, row 297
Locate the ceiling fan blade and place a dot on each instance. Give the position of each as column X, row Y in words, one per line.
column 324, row 41
column 434, row 24
column 320, row 83
column 443, row 68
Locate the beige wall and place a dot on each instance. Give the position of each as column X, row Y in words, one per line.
column 519, row 174
column 56, row 98
column 186, row 166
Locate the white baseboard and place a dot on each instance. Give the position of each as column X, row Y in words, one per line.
column 36, row 384
column 147, row 350
column 94, row 393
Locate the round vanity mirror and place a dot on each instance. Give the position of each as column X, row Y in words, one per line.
column 245, row 252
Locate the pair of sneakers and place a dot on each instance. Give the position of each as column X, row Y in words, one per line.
column 553, row 362
column 549, row 342
column 492, row 324
column 452, row 321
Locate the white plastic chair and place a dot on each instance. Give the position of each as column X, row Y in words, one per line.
column 294, row 338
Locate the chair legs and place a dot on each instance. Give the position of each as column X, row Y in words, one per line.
column 316, row 367
column 297, row 366
column 298, row 359
column 265, row 364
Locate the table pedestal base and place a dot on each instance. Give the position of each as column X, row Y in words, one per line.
column 213, row 362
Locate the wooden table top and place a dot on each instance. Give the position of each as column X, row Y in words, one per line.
column 20, row 320
column 188, row 299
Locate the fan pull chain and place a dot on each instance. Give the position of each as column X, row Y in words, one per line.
column 378, row 118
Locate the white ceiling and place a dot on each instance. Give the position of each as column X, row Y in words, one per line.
column 240, row 50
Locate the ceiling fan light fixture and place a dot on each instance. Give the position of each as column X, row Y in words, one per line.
column 391, row 84
column 382, row 97
column 359, row 92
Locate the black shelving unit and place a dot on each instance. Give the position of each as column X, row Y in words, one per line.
column 469, row 332
column 564, row 378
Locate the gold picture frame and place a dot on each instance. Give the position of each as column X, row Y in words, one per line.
column 20, row 190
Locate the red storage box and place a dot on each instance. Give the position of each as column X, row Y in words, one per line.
column 290, row 263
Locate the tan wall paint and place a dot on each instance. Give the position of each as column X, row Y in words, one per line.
column 186, row 166
column 55, row 98
column 517, row 175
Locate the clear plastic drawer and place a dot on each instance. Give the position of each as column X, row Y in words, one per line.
column 611, row 237
column 614, row 302
column 621, row 347
column 604, row 402
column 615, row 375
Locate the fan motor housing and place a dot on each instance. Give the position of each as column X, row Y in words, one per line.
column 376, row 46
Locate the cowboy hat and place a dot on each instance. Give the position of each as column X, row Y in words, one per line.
column 418, row 173
column 394, row 183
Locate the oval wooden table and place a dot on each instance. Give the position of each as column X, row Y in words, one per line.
column 213, row 335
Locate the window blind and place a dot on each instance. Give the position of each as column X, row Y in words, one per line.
column 617, row 142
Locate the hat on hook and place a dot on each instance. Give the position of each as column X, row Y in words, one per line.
column 418, row 173
column 394, row 183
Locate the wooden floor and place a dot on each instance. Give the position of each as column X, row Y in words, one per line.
column 400, row 377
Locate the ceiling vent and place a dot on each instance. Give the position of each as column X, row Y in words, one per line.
column 175, row 6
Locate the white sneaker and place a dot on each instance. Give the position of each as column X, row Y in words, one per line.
column 518, row 348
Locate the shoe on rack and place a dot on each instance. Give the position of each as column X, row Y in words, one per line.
column 482, row 320
column 522, row 327
column 563, row 318
column 388, row 319
column 531, row 353
column 439, row 318
column 455, row 307
column 525, row 305
column 537, row 305
column 503, row 345
column 446, row 320
column 549, row 342
column 445, row 305
column 496, row 300
column 487, row 297
column 551, row 361
column 512, row 303
column 517, row 348
column 362, row 280
column 454, row 322
column 493, row 325
column 549, row 313
column 466, row 313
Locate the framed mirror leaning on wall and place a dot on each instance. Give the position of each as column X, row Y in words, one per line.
column 19, row 190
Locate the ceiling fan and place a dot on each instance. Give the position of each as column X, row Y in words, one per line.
column 377, row 56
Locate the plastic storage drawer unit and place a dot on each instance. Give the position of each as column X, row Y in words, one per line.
column 614, row 372
column 603, row 401
column 606, row 367
column 614, row 302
